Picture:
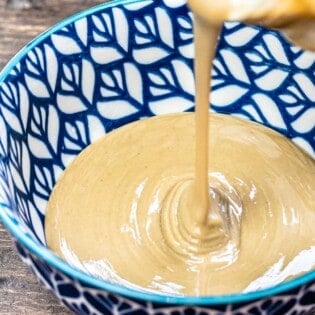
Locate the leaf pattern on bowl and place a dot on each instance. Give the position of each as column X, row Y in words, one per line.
column 123, row 63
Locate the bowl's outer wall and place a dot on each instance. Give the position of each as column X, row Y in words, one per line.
column 124, row 62
column 84, row 299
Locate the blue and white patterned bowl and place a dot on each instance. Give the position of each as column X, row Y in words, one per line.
column 116, row 63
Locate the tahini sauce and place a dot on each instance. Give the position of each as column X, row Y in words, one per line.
column 117, row 211
column 137, row 208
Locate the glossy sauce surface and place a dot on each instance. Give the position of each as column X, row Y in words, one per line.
column 124, row 216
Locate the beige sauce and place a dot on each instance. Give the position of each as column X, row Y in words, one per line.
column 116, row 212
column 137, row 208
column 267, row 12
column 295, row 18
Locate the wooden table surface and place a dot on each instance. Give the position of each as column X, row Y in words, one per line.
column 20, row 292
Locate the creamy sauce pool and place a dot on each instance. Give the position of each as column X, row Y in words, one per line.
column 155, row 205
column 118, row 212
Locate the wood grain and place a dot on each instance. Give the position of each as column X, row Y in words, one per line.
column 20, row 291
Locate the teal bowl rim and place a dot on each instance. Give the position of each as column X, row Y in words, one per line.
column 48, row 256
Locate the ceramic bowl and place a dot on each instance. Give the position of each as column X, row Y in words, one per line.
column 116, row 63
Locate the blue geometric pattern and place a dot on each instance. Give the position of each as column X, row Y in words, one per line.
column 119, row 63
column 268, row 81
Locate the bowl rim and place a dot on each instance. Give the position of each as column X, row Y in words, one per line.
column 43, row 253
